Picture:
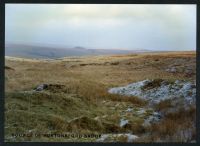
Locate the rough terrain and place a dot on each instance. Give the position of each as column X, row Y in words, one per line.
column 148, row 97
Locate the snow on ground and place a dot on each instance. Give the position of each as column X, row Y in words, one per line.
column 166, row 90
column 123, row 122
column 155, row 117
column 129, row 109
column 114, row 137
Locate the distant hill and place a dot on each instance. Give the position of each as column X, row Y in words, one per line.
column 34, row 51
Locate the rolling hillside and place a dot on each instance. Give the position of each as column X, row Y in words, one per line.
column 149, row 97
column 35, row 51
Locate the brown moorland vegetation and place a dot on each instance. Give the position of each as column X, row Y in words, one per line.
column 78, row 100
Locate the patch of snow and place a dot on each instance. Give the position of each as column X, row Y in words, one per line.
column 113, row 137
column 131, row 89
column 141, row 111
column 41, row 87
column 103, row 138
column 129, row 110
column 177, row 82
column 171, row 70
column 123, row 122
column 165, row 91
column 155, row 117
column 131, row 137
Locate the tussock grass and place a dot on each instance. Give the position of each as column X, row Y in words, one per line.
column 163, row 105
column 134, row 100
column 155, row 83
column 175, row 127
column 78, row 88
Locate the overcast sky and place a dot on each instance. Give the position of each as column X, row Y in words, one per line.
column 112, row 26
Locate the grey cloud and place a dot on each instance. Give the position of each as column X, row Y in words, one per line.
column 159, row 27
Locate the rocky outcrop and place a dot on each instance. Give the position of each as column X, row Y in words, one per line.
column 41, row 87
column 158, row 90
column 51, row 87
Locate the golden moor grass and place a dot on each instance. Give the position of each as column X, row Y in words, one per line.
column 170, row 127
column 83, row 84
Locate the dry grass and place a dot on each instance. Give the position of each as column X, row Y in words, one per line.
column 154, row 84
column 79, row 87
column 175, row 127
column 28, row 74
column 163, row 105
